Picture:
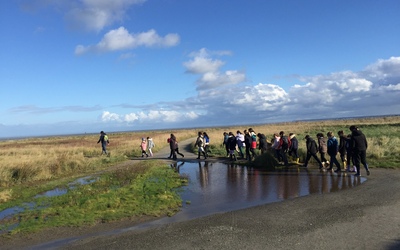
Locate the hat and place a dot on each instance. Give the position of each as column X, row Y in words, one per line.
column 143, row 139
column 307, row 136
column 352, row 127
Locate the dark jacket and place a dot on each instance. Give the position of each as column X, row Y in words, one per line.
column 262, row 142
column 311, row 146
column 332, row 146
column 295, row 143
column 232, row 142
column 173, row 143
column 247, row 140
column 342, row 145
column 103, row 138
column 358, row 141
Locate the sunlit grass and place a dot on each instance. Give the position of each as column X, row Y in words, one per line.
column 148, row 189
column 31, row 166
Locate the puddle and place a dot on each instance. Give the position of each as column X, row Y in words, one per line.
column 9, row 212
column 217, row 188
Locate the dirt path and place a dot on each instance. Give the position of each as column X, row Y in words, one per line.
column 364, row 217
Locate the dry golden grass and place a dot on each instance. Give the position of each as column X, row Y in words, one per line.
column 38, row 159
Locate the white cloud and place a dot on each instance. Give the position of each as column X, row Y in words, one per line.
column 209, row 69
column 108, row 116
column 152, row 116
column 333, row 95
column 121, row 39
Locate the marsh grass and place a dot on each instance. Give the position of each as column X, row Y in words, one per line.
column 147, row 189
column 31, row 166
column 383, row 136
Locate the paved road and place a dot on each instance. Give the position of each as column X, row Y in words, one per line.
column 364, row 217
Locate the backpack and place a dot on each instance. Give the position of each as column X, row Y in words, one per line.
column 106, row 138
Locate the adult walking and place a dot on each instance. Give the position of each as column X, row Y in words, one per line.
column 104, row 142
column 312, row 151
column 262, row 143
column 172, row 146
column 359, row 147
column 342, row 148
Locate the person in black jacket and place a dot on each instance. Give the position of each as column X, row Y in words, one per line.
column 342, row 148
column 312, row 150
column 232, row 146
column 262, row 143
column 359, row 147
column 247, row 142
column 104, row 142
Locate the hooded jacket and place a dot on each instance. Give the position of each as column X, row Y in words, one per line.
column 358, row 141
column 311, row 146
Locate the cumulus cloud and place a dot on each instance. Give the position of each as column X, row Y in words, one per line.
column 121, row 39
column 209, row 70
column 372, row 91
column 151, row 116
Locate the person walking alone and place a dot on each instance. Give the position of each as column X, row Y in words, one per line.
column 104, row 142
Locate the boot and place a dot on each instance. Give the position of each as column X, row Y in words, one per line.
column 198, row 156
column 204, row 154
column 357, row 171
column 297, row 160
column 234, row 157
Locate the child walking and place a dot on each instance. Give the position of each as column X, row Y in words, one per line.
column 150, row 145
column 143, row 146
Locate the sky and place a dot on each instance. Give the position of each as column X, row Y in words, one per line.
column 81, row 66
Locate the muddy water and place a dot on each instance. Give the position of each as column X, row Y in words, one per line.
column 218, row 187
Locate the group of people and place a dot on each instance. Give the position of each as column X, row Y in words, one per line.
column 351, row 148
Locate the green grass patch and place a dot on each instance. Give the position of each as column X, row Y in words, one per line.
column 149, row 190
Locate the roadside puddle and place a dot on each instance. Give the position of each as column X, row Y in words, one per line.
column 218, row 187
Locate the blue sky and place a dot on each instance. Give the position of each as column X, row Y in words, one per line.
column 81, row 66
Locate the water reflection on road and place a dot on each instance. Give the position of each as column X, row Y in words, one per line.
column 218, row 187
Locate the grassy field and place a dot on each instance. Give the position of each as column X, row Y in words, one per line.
column 30, row 166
